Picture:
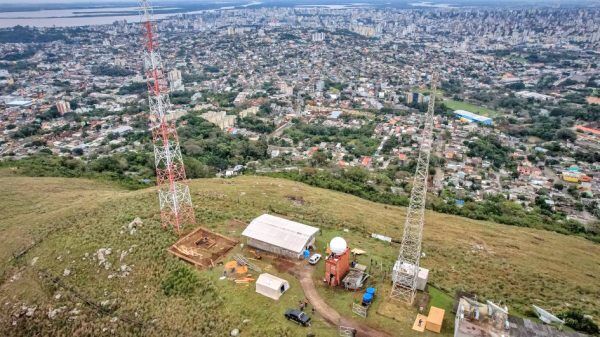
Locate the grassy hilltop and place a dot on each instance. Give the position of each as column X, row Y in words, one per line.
column 56, row 286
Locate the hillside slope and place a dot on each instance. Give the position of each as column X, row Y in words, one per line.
column 60, row 224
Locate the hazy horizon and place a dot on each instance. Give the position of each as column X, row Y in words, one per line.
column 81, row 2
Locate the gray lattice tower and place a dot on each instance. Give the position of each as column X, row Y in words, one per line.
column 406, row 269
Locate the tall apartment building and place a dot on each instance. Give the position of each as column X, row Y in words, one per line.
column 63, row 107
column 318, row 37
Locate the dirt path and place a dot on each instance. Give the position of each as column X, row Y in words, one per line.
column 304, row 274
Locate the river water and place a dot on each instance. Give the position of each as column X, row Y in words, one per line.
column 72, row 17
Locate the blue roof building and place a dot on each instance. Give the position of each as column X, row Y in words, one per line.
column 473, row 117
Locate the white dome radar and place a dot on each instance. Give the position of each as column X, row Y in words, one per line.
column 338, row 245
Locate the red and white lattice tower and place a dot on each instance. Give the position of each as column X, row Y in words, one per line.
column 173, row 192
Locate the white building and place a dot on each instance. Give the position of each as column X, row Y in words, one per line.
column 252, row 111
column 220, row 119
column 63, row 107
column 271, row 286
column 280, row 236
column 175, row 80
column 318, row 37
column 534, row 95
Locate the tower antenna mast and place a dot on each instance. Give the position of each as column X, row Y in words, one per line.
column 406, row 269
column 176, row 207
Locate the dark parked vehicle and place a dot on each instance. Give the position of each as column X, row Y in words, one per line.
column 297, row 316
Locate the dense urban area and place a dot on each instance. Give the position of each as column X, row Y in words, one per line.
column 333, row 97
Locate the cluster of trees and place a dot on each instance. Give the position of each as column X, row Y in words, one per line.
column 588, row 113
column 590, row 156
column 516, row 86
column 498, row 209
column 358, row 141
column 27, row 130
column 269, row 88
column 335, row 85
column 288, row 36
column 391, row 144
column 181, row 97
column 206, row 150
column 19, row 55
column 452, row 86
column 550, row 57
column 193, row 78
column 134, row 88
column 222, row 99
column 577, row 320
column 16, row 66
column 546, row 81
column 544, row 128
column 512, row 102
column 113, row 71
column 565, row 134
column 208, row 145
column 353, row 181
column 490, row 148
column 20, row 34
column 256, row 125
column 111, row 168
column 211, row 69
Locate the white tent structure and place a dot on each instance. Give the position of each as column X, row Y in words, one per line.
column 280, row 236
column 271, row 286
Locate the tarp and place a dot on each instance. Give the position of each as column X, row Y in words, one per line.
column 357, row 251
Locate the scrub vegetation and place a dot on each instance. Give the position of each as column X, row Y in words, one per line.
column 54, row 282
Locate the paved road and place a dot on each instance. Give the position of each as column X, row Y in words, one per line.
column 304, row 274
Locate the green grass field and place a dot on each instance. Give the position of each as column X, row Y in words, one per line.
column 458, row 105
column 59, row 224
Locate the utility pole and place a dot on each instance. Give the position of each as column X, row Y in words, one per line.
column 176, row 207
column 406, row 269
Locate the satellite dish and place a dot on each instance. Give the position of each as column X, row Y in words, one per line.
column 338, row 245
column 547, row 317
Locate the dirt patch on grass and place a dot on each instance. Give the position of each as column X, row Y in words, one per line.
column 296, row 200
column 283, row 265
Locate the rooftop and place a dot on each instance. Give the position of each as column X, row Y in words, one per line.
column 280, row 232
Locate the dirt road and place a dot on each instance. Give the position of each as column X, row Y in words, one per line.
column 304, row 274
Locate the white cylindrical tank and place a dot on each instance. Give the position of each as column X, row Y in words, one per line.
column 338, row 245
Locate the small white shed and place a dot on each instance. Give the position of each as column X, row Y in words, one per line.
column 271, row 286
